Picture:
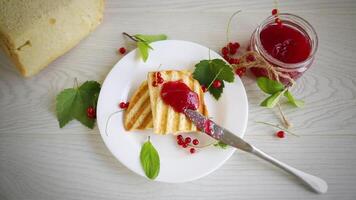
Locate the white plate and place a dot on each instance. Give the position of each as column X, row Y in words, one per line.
column 177, row 164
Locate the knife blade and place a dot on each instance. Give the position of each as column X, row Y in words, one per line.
column 217, row 132
column 212, row 129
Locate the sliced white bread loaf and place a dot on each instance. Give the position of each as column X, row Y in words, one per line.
column 36, row 32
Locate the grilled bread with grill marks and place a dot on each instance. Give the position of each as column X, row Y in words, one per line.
column 138, row 115
column 165, row 119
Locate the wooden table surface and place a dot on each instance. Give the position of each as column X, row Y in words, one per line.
column 38, row 160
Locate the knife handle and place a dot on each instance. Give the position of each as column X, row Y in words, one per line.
column 315, row 183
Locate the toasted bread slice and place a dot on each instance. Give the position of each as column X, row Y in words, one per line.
column 138, row 115
column 165, row 119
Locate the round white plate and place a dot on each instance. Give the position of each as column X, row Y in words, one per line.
column 177, row 164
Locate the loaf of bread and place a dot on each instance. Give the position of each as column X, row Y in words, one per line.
column 35, row 32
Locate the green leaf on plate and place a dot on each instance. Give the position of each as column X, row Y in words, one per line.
column 292, row 100
column 73, row 103
column 221, row 145
column 207, row 71
column 272, row 100
column 150, row 160
column 143, row 49
column 269, row 86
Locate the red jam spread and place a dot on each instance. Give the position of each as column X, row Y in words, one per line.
column 285, row 43
column 179, row 96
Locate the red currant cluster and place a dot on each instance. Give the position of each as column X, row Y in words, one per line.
column 185, row 142
column 229, row 50
column 122, row 50
column 91, row 113
column 158, row 79
column 278, row 21
column 124, row 105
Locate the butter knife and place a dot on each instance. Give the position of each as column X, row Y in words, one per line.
column 209, row 127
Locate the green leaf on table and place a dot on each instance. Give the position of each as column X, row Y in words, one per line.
column 221, row 145
column 269, row 86
column 150, row 160
column 143, row 43
column 272, row 100
column 72, row 103
column 151, row 38
column 207, row 71
column 292, row 100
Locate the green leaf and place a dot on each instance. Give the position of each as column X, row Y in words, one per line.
column 272, row 100
column 151, row 38
column 292, row 100
column 73, row 103
column 207, row 71
column 150, row 160
column 221, row 145
column 269, row 86
column 143, row 49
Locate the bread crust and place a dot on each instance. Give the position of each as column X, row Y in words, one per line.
column 30, row 54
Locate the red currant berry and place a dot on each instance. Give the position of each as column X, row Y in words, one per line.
column 180, row 142
column 179, row 137
column 195, row 141
column 232, row 51
column 217, row 84
column 122, row 50
column 280, row 134
column 224, row 51
column 277, row 20
column 160, row 80
column 235, row 61
column 184, row 145
column 236, row 45
column 123, row 105
column 192, row 150
column 226, row 57
column 203, row 88
column 154, row 83
column 187, row 140
column 240, row 71
column 158, row 74
column 91, row 112
column 274, row 11
column 250, row 58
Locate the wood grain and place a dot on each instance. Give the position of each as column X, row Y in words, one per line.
column 40, row 161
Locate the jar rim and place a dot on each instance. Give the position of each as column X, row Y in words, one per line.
column 296, row 22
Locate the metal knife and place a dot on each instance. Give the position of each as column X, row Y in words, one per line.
column 219, row 133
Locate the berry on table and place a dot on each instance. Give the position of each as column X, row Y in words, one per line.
column 91, row 112
column 274, row 11
column 280, row 134
column 195, row 141
column 240, row 71
column 122, row 50
column 250, row 58
column 224, row 51
column 192, row 150
column 217, row 84
column 236, row 45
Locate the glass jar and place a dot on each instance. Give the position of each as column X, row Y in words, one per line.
column 293, row 69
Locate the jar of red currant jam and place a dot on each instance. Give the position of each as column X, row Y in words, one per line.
column 289, row 45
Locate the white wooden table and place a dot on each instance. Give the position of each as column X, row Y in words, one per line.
column 38, row 160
